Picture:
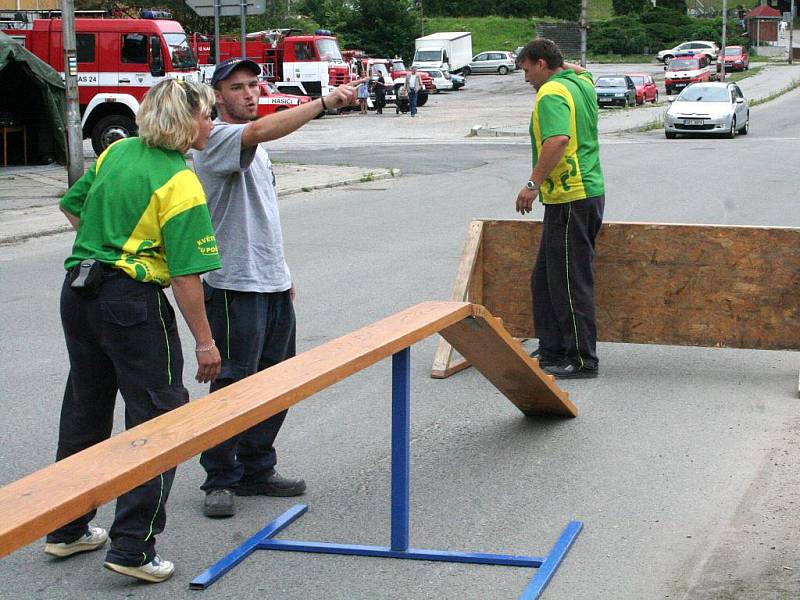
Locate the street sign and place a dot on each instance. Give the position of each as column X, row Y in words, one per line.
column 227, row 8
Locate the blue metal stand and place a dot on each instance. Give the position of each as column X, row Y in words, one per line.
column 401, row 436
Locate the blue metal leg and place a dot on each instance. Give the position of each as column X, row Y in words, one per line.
column 210, row 575
column 401, row 442
column 552, row 561
column 401, row 438
column 508, row 560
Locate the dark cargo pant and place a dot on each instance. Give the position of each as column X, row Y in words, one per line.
column 562, row 283
column 253, row 331
column 125, row 339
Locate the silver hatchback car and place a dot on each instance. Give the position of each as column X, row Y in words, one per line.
column 492, row 62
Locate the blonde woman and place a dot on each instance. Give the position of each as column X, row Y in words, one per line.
column 142, row 224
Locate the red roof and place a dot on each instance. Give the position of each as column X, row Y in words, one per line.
column 763, row 11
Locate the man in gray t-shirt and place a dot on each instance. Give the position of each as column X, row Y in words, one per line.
column 248, row 301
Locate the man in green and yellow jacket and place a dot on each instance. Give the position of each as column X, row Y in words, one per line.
column 568, row 180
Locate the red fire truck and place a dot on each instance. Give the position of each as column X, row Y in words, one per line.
column 313, row 61
column 118, row 61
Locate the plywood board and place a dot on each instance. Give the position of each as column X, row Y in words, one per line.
column 695, row 285
column 467, row 287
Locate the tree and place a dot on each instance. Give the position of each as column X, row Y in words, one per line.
column 628, row 7
column 383, row 27
column 676, row 5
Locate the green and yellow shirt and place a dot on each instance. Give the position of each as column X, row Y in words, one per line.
column 142, row 210
column 567, row 105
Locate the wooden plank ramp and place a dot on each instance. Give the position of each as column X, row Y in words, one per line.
column 43, row 501
column 500, row 358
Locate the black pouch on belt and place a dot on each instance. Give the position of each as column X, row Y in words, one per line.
column 87, row 277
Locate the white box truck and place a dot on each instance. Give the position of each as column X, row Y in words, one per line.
column 451, row 50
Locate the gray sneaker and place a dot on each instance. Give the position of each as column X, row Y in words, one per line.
column 156, row 571
column 275, row 485
column 94, row 539
column 219, row 504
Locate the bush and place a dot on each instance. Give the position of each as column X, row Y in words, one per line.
column 664, row 36
column 628, row 7
column 665, row 17
column 622, row 35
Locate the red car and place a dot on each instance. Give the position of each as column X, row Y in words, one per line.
column 646, row 90
column 272, row 101
column 736, row 59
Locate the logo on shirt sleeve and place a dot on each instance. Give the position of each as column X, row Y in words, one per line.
column 207, row 245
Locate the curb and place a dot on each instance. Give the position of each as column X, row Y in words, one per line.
column 366, row 178
column 369, row 176
column 481, row 131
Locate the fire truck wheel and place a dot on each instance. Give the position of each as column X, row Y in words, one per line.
column 110, row 129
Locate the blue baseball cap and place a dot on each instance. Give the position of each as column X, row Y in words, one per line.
column 226, row 67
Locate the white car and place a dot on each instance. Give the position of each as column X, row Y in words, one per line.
column 714, row 107
column 441, row 79
column 709, row 48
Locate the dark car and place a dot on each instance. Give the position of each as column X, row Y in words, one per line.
column 615, row 90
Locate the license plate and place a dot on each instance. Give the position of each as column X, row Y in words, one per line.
column 678, row 86
column 604, row 99
column 693, row 121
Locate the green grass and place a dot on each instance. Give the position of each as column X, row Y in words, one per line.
column 739, row 75
column 598, row 10
column 656, row 123
column 488, row 33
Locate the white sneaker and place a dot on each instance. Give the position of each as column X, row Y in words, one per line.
column 156, row 571
column 93, row 539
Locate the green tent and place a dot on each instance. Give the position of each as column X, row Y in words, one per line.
column 34, row 96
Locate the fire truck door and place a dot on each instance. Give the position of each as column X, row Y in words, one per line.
column 134, row 72
column 89, row 76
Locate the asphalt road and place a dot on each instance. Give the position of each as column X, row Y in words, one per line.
column 683, row 464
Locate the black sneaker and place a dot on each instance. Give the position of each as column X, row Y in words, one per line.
column 544, row 362
column 570, row 371
column 275, row 485
column 219, row 504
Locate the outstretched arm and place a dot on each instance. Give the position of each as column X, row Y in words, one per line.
column 280, row 124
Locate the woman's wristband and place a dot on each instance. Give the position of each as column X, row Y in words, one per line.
column 324, row 108
column 207, row 348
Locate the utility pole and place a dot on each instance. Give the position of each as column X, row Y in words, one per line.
column 791, row 34
column 216, row 31
column 724, row 37
column 584, row 6
column 243, row 18
column 74, row 133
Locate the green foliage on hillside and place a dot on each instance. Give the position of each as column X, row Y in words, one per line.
column 559, row 9
column 379, row 27
column 628, row 7
column 488, row 33
column 656, row 29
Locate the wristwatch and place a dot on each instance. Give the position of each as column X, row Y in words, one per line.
column 531, row 185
